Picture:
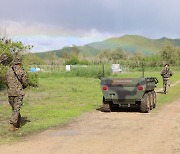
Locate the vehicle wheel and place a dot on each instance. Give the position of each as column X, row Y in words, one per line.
column 151, row 101
column 154, row 99
column 113, row 107
column 106, row 106
column 145, row 104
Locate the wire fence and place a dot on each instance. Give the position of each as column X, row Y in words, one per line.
column 65, row 68
column 48, row 68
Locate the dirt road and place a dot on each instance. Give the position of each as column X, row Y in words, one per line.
column 109, row 133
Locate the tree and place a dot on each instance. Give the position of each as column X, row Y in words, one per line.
column 138, row 58
column 75, row 51
column 73, row 61
column 8, row 50
column 177, row 57
column 153, row 61
column 117, row 55
column 52, row 59
column 32, row 59
column 103, row 56
column 168, row 54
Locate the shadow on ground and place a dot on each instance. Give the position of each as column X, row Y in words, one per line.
column 24, row 120
column 160, row 92
column 120, row 109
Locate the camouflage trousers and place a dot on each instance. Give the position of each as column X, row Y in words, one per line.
column 16, row 103
column 166, row 85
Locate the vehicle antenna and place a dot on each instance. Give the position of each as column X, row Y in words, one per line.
column 103, row 74
column 142, row 69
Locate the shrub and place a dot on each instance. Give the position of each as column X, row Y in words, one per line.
column 3, row 70
column 94, row 71
column 73, row 61
column 89, row 71
column 32, row 79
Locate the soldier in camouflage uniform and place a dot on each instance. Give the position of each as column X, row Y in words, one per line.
column 166, row 74
column 16, row 82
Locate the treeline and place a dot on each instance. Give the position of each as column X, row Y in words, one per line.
column 169, row 54
column 8, row 49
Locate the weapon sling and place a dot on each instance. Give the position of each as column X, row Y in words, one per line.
column 16, row 75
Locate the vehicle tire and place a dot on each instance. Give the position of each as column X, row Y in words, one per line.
column 113, row 107
column 154, row 99
column 145, row 103
column 106, row 106
column 151, row 101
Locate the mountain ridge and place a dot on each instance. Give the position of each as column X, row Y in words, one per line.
column 131, row 43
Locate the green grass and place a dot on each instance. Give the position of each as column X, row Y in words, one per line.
column 88, row 71
column 59, row 99
column 54, row 102
column 172, row 95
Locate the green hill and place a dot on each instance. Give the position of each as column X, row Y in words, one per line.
column 131, row 43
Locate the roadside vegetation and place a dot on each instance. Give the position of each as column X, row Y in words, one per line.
column 10, row 49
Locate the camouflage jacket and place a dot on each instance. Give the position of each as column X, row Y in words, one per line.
column 16, row 80
column 166, row 73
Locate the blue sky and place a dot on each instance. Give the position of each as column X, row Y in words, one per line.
column 53, row 24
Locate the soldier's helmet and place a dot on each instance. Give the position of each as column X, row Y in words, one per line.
column 17, row 60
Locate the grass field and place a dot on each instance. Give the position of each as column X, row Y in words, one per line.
column 59, row 99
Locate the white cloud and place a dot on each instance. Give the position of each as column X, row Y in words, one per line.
column 49, row 37
column 54, row 24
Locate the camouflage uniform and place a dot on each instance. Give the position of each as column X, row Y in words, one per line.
column 166, row 74
column 16, row 82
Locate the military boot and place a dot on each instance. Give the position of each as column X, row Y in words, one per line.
column 19, row 121
column 12, row 128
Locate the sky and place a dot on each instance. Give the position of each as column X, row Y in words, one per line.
column 54, row 24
